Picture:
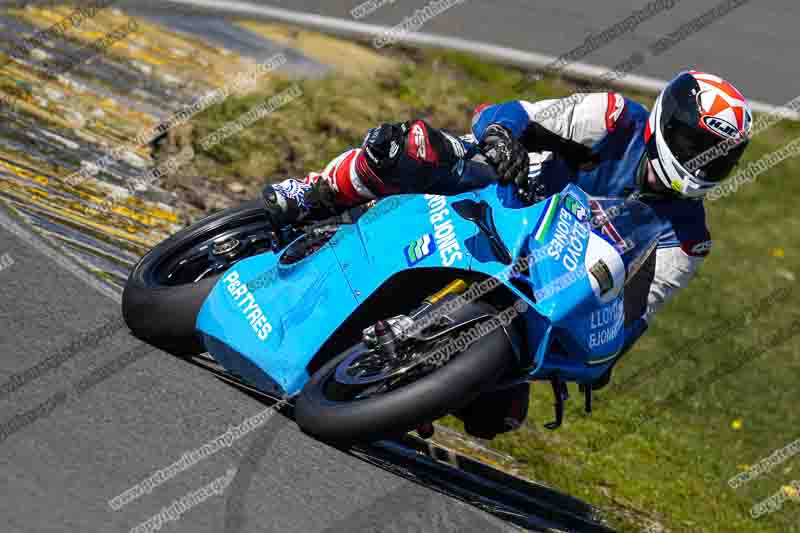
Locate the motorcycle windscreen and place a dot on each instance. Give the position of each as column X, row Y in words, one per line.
column 264, row 320
column 576, row 271
column 621, row 235
column 563, row 249
column 626, row 233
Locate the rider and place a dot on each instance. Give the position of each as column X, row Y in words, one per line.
column 605, row 143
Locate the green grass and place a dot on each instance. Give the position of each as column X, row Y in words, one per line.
column 675, row 467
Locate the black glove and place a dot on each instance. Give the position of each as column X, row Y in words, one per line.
column 383, row 144
column 530, row 189
column 506, row 154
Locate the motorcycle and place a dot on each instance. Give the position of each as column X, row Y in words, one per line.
column 386, row 318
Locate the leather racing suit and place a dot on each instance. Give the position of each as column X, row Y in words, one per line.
column 437, row 162
column 413, row 157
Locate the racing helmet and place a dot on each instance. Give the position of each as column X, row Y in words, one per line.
column 697, row 132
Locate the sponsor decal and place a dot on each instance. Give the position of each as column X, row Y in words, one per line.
column 546, row 219
column 575, row 207
column 294, row 190
column 247, row 305
column 569, row 241
column 394, row 148
column 721, row 127
column 606, row 323
column 697, row 248
column 443, row 230
column 419, row 249
column 418, row 145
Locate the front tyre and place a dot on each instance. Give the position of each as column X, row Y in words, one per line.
column 167, row 288
column 330, row 410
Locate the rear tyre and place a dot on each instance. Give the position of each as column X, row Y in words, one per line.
column 397, row 411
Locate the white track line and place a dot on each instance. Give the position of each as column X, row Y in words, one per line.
column 514, row 56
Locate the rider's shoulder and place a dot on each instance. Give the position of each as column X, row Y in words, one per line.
column 595, row 115
column 584, row 117
column 608, row 111
column 588, row 118
column 600, row 115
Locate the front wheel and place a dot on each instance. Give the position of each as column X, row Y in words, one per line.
column 167, row 288
column 347, row 400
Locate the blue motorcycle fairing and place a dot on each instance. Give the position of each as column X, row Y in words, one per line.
column 279, row 326
column 422, row 231
column 556, row 245
column 306, row 302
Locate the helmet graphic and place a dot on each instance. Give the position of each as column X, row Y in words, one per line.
column 697, row 132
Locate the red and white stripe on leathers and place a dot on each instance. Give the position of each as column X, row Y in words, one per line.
column 353, row 181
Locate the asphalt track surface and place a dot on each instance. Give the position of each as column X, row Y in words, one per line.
column 754, row 45
column 99, row 414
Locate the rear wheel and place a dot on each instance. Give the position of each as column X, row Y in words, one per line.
column 365, row 395
column 167, row 288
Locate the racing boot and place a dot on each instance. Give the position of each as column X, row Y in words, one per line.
column 291, row 201
column 355, row 175
column 409, row 157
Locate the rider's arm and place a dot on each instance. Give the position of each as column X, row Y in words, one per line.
column 583, row 118
column 409, row 157
column 430, row 160
column 675, row 267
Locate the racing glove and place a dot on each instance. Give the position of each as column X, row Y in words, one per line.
column 530, row 189
column 382, row 146
column 506, row 154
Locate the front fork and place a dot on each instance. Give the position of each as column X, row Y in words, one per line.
column 558, row 385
